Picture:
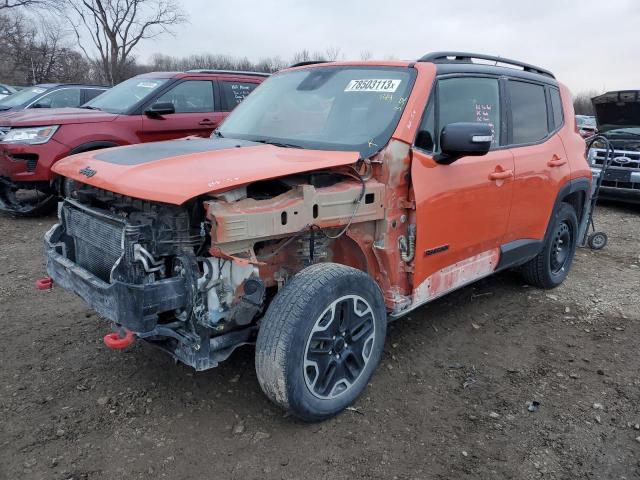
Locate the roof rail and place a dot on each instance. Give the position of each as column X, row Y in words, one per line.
column 464, row 57
column 228, row 72
column 308, row 62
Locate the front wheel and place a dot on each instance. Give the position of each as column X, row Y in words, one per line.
column 26, row 201
column 321, row 340
column 551, row 266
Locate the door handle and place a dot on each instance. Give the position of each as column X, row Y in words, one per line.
column 556, row 161
column 502, row 175
column 207, row 123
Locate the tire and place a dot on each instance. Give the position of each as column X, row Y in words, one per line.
column 551, row 266
column 306, row 361
column 597, row 240
column 44, row 203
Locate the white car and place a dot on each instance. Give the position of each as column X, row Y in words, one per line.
column 6, row 90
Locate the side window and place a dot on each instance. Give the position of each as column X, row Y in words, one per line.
column 235, row 92
column 91, row 93
column 556, row 104
column 65, row 97
column 528, row 112
column 192, row 96
column 464, row 99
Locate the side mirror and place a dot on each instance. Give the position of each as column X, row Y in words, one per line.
column 464, row 139
column 160, row 108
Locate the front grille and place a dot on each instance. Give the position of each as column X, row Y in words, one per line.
column 631, row 159
column 97, row 238
column 614, row 184
column 32, row 163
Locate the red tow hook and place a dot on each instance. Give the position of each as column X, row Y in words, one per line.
column 45, row 283
column 115, row 342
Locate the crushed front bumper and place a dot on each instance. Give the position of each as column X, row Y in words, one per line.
column 135, row 307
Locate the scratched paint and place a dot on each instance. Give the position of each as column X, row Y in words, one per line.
column 455, row 276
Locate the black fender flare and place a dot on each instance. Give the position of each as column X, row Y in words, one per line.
column 575, row 185
column 57, row 182
column 520, row 251
column 86, row 147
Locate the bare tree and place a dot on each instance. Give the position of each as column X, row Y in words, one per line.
column 116, row 27
column 365, row 55
column 582, row 102
column 22, row 3
column 332, row 53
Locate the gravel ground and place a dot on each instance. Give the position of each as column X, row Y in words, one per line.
column 449, row 400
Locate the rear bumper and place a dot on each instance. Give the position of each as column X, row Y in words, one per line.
column 135, row 307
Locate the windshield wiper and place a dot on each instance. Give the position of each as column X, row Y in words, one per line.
column 89, row 107
column 278, row 144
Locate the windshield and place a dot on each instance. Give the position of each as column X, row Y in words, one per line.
column 23, row 96
column 327, row 108
column 125, row 95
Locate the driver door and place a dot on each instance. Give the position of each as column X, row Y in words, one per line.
column 195, row 113
column 462, row 208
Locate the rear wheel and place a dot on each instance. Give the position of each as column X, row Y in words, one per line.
column 321, row 340
column 551, row 266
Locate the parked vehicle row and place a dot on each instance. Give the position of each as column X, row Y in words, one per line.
column 146, row 108
column 334, row 198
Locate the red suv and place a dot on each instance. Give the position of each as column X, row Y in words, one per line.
column 147, row 108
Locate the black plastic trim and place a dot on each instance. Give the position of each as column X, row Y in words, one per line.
column 518, row 252
column 97, row 145
column 467, row 57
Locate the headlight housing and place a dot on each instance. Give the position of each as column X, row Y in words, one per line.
column 30, row 135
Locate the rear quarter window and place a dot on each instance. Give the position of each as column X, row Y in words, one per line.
column 528, row 112
column 235, row 92
column 556, row 105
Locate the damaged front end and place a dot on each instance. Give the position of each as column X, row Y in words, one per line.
column 137, row 263
column 194, row 279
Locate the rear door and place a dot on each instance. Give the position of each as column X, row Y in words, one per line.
column 462, row 208
column 540, row 160
column 196, row 112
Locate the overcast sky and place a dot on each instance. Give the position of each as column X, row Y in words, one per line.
column 588, row 44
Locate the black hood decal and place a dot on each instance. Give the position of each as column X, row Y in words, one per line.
column 150, row 152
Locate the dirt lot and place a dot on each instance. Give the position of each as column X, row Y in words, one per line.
column 449, row 400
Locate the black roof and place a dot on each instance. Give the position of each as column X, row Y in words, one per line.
column 457, row 62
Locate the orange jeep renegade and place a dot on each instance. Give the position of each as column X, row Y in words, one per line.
column 335, row 198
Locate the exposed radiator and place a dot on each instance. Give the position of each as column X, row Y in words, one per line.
column 98, row 239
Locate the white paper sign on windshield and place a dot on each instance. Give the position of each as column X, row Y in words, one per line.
column 373, row 85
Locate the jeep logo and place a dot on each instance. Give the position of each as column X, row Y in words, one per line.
column 88, row 172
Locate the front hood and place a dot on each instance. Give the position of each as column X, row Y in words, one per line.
column 53, row 116
column 178, row 170
column 617, row 110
